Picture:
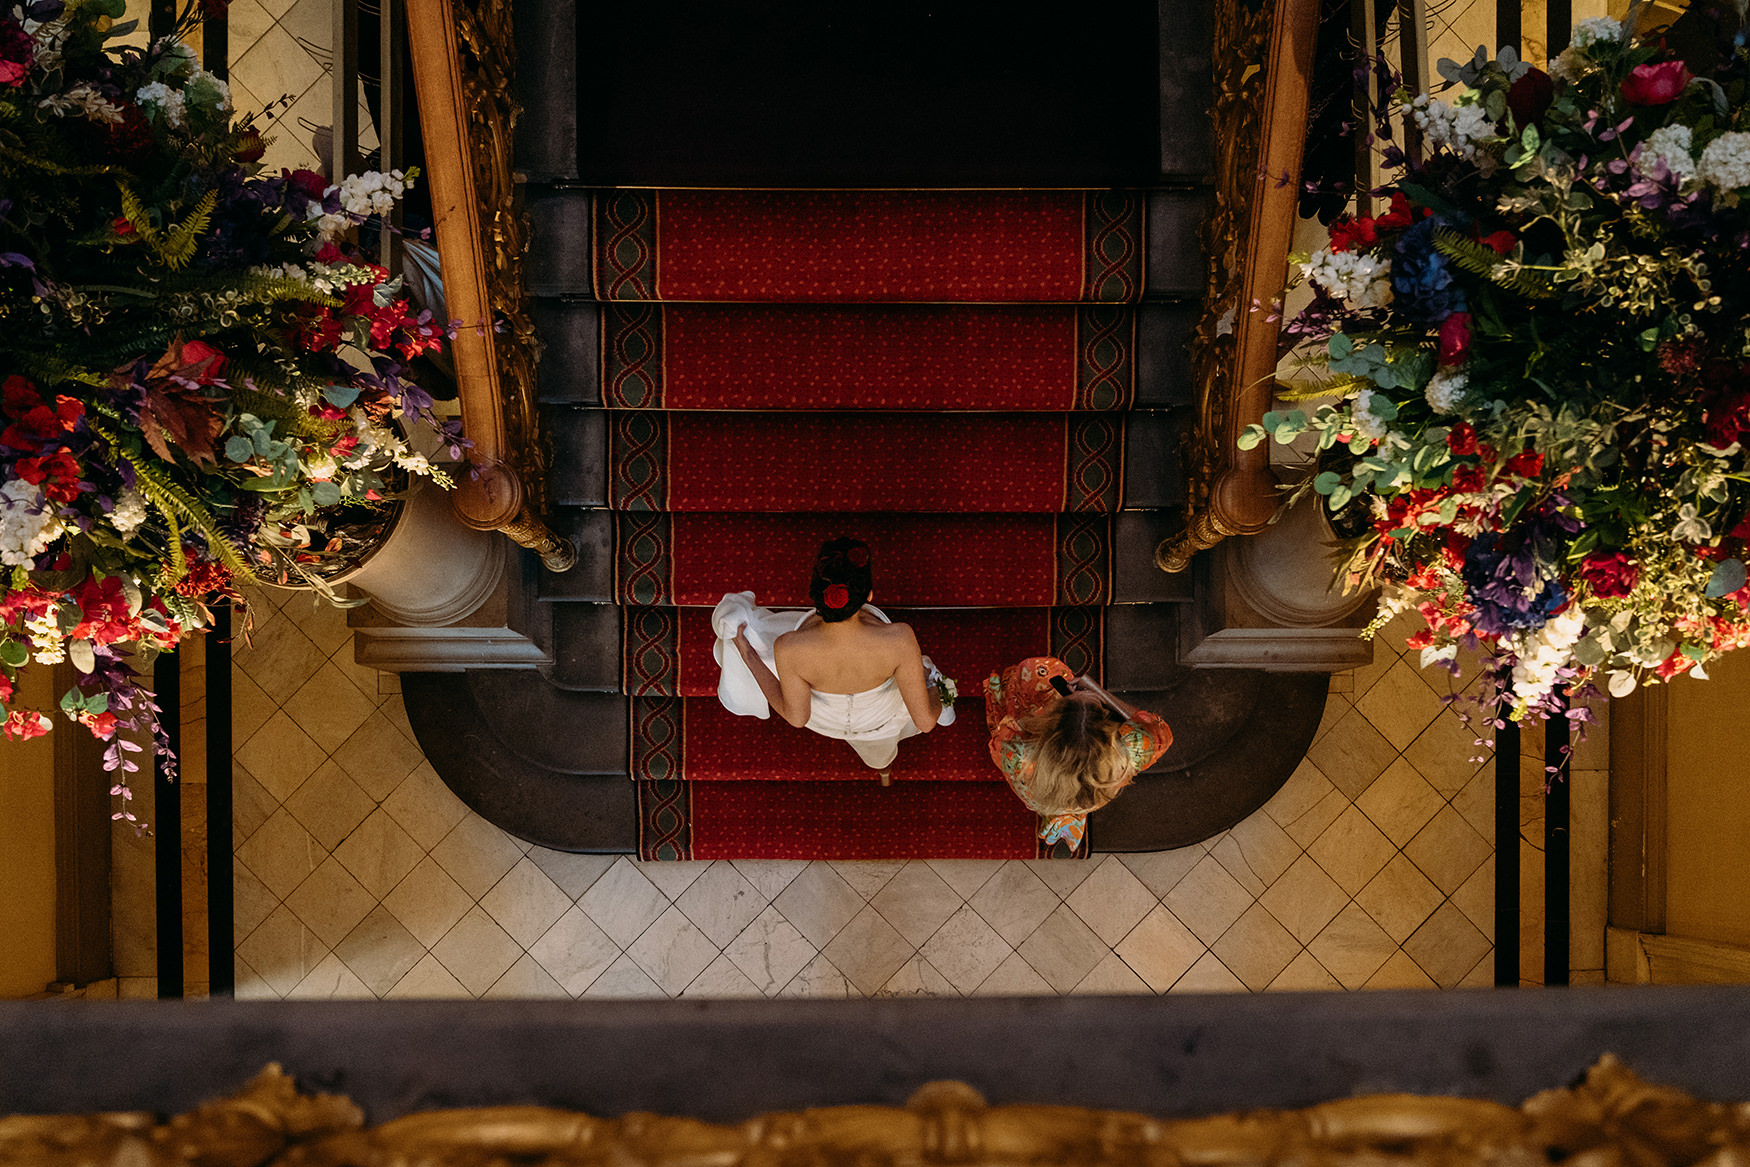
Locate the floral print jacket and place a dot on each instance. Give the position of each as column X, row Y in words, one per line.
column 1023, row 689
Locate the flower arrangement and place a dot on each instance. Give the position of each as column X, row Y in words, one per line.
column 1540, row 352
column 198, row 375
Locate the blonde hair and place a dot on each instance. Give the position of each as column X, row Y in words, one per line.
column 1079, row 763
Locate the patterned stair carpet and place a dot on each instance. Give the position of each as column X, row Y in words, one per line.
column 927, row 560
column 944, row 374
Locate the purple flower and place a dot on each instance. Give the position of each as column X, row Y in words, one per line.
column 1511, row 576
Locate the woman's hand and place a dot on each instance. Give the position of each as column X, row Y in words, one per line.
column 741, row 643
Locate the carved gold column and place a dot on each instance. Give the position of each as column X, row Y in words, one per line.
column 463, row 70
column 1263, row 78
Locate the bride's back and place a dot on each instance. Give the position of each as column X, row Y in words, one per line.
column 850, row 656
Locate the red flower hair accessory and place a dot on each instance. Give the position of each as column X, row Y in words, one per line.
column 836, row 596
column 859, row 556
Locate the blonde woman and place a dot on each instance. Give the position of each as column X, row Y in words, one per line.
column 1066, row 745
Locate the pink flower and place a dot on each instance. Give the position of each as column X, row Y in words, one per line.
column 22, row 725
column 1656, row 84
column 1609, row 575
column 16, row 51
column 1454, row 338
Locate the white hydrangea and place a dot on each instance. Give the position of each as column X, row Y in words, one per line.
column 328, row 227
column 1725, row 163
column 1460, row 128
column 27, row 523
column 129, row 512
column 1356, row 278
column 1446, row 389
column 164, row 102
column 1672, row 144
column 1600, row 28
column 1544, row 651
column 205, row 89
column 1367, row 423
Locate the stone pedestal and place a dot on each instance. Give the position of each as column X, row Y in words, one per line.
column 444, row 596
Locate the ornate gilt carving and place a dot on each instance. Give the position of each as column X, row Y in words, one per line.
column 464, row 58
column 1612, row 1117
column 1261, row 60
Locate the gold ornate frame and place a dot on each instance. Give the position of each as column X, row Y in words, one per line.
column 464, row 58
column 1263, row 79
column 1612, row 1117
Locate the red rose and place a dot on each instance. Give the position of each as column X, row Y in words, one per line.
column 836, row 596
column 1656, row 84
column 1529, row 97
column 205, row 362
column 306, row 182
column 1609, row 575
column 1501, row 242
column 1468, row 479
column 1526, row 464
column 1463, row 439
column 1454, row 338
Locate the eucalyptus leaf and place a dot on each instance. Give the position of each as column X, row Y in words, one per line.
column 326, row 494
column 81, row 655
column 1728, row 577
column 239, row 448
column 1340, row 497
column 1328, row 481
column 341, row 396
column 13, row 654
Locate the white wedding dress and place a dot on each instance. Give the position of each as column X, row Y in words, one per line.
column 874, row 721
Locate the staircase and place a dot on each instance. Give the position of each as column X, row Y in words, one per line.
column 984, row 376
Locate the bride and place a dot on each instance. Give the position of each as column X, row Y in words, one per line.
column 844, row 670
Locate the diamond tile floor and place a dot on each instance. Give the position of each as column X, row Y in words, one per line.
column 358, row 874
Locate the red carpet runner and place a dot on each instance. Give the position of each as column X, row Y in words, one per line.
column 941, row 373
column 803, row 247
column 977, row 462
column 943, row 357
column 1014, row 561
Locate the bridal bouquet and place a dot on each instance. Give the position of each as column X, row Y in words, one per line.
column 1541, row 354
column 201, row 380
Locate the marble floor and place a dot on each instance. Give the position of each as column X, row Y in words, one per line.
column 359, row 874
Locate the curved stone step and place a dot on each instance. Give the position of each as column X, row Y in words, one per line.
column 549, row 766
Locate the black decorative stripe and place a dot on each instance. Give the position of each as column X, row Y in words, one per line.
column 1084, row 559
column 1094, row 473
column 1106, row 357
column 632, row 356
column 665, row 821
column 1113, row 235
column 1078, row 639
column 625, row 245
column 651, row 651
column 644, row 558
column 638, row 453
column 658, row 739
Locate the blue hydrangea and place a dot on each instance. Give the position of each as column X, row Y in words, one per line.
column 1421, row 280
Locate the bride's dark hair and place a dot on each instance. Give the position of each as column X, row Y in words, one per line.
column 842, row 579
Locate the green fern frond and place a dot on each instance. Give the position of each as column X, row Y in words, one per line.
column 1482, row 260
column 176, row 246
column 270, row 405
column 1338, row 386
column 176, row 503
column 31, row 161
